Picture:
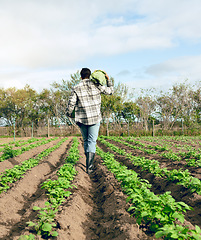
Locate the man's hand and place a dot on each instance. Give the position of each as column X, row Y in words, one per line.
column 107, row 77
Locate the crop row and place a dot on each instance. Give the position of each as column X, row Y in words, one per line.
column 12, row 142
column 169, row 139
column 20, row 143
column 9, row 152
column 12, row 175
column 195, row 162
column 159, row 212
column 164, row 142
column 153, row 166
column 57, row 191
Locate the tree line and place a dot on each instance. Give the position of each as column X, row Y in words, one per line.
column 181, row 104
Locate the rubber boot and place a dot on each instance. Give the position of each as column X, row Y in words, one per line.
column 89, row 162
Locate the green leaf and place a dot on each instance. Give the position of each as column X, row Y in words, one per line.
column 131, row 208
column 54, row 234
column 46, row 227
column 159, row 234
column 47, row 204
column 36, row 208
column 197, row 228
column 179, row 216
column 143, row 214
column 158, row 215
column 31, row 224
column 174, row 235
column 139, row 220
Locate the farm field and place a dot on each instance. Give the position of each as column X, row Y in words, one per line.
column 46, row 186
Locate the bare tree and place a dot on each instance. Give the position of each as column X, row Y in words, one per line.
column 146, row 104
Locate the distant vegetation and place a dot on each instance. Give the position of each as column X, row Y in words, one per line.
column 179, row 106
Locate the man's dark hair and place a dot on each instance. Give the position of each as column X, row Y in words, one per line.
column 85, row 73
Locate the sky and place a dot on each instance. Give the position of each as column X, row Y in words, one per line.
column 140, row 43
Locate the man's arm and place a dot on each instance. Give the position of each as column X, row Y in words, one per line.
column 71, row 103
column 107, row 89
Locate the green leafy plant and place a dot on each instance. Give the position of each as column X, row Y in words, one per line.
column 17, row 172
column 179, row 176
column 156, row 211
column 45, row 225
column 8, row 152
column 27, row 237
column 170, row 232
column 57, row 192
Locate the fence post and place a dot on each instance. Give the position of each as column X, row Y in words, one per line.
column 153, row 134
column 182, row 125
column 128, row 129
column 107, row 127
column 32, row 129
column 14, row 130
column 48, row 130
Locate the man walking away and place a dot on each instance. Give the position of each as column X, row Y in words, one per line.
column 85, row 99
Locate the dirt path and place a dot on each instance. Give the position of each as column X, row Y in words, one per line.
column 97, row 208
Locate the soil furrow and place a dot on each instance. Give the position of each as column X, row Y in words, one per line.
column 26, row 193
column 97, row 208
column 10, row 163
column 164, row 162
column 159, row 186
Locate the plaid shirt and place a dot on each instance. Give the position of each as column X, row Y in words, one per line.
column 85, row 98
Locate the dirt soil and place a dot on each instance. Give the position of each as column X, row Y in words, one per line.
column 7, row 140
column 10, row 163
column 97, row 208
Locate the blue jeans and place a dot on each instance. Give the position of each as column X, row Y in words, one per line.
column 90, row 135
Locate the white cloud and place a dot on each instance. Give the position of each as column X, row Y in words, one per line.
column 36, row 79
column 50, row 33
column 165, row 74
column 61, row 34
column 187, row 66
column 124, row 73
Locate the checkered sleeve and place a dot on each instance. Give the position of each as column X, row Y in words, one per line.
column 71, row 103
column 108, row 90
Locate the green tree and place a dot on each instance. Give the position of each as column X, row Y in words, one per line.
column 130, row 111
column 61, row 92
column 112, row 105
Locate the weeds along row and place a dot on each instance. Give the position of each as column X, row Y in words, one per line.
column 57, row 192
column 161, row 214
column 9, row 152
column 182, row 177
column 9, row 176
